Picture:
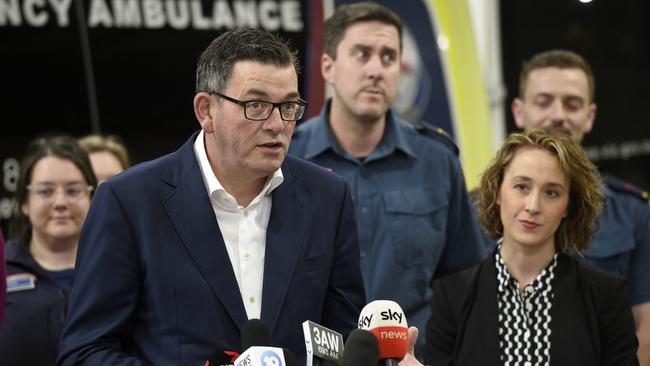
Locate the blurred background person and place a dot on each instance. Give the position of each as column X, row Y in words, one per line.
column 108, row 155
column 534, row 301
column 53, row 192
column 556, row 93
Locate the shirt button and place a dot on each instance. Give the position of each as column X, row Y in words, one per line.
column 364, row 209
column 251, row 300
column 247, row 255
column 363, row 254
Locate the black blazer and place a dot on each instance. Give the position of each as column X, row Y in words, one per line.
column 591, row 320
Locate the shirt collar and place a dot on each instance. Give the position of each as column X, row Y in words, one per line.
column 212, row 183
column 322, row 137
column 505, row 279
column 395, row 137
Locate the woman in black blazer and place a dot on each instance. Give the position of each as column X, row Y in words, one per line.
column 533, row 302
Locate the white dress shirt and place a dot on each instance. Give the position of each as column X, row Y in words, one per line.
column 243, row 229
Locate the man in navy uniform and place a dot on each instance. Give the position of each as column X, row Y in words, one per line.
column 556, row 92
column 412, row 209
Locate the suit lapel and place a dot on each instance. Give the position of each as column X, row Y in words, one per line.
column 284, row 239
column 191, row 213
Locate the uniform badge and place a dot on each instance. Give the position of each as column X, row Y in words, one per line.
column 21, row 282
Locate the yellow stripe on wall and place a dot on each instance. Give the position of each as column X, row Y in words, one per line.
column 465, row 85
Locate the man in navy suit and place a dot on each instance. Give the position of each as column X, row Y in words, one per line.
column 177, row 253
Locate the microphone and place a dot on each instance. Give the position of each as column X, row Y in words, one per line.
column 261, row 356
column 255, row 333
column 289, row 357
column 361, row 349
column 222, row 357
column 385, row 319
column 322, row 343
column 256, row 340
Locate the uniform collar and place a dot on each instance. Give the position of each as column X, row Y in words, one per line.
column 322, row 137
column 505, row 279
column 17, row 254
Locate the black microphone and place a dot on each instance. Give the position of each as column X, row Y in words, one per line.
column 222, row 357
column 257, row 344
column 289, row 358
column 255, row 333
column 361, row 349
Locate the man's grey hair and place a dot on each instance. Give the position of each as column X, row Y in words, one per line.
column 216, row 63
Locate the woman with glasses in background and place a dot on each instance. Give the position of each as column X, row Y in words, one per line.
column 53, row 193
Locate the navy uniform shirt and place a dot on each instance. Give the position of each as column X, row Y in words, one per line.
column 413, row 216
column 622, row 243
column 35, row 311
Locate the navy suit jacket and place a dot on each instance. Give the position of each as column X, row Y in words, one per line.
column 154, row 283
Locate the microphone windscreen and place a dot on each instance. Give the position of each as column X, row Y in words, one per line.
column 255, row 333
column 386, row 320
column 289, row 358
column 361, row 349
column 261, row 356
column 222, row 357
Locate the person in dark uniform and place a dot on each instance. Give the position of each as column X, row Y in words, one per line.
column 53, row 192
column 556, row 92
column 412, row 209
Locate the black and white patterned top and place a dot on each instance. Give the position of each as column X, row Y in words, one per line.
column 524, row 317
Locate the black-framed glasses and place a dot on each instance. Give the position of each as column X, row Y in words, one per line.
column 260, row 110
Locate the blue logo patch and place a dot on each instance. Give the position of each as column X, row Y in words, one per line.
column 270, row 358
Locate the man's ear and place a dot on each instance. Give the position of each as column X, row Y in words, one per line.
column 327, row 68
column 517, row 108
column 203, row 111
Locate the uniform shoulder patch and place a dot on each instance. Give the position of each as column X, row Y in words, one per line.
column 438, row 134
column 622, row 186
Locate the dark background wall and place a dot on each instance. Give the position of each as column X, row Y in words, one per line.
column 144, row 73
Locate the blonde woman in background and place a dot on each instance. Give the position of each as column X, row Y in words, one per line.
column 108, row 155
column 535, row 300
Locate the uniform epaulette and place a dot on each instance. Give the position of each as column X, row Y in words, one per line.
column 619, row 185
column 437, row 133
